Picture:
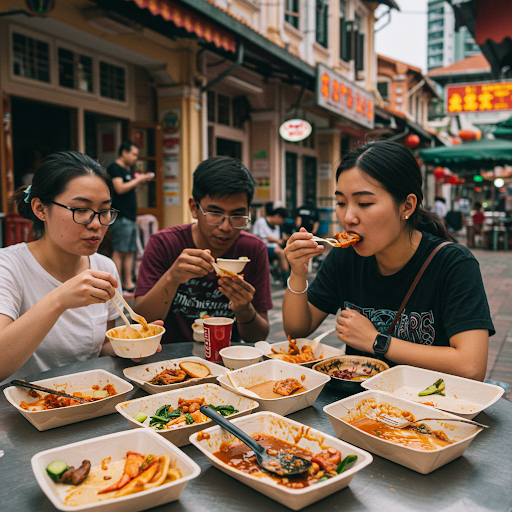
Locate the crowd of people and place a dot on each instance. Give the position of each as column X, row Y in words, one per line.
column 55, row 291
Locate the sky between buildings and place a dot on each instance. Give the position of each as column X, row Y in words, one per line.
column 405, row 38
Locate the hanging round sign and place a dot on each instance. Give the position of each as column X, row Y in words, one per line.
column 295, row 130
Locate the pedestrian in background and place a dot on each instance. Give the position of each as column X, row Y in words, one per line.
column 307, row 217
column 124, row 231
column 268, row 228
column 440, row 208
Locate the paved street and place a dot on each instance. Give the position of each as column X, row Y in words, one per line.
column 496, row 267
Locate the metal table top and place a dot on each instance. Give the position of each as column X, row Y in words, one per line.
column 478, row 481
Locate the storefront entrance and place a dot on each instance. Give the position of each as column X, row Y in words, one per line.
column 38, row 129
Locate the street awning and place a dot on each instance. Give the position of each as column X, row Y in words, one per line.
column 183, row 18
column 484, row 153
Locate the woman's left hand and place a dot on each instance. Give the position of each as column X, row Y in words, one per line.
column 356, row 330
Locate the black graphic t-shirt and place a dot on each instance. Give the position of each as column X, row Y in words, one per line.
column 201, row 296
column 449, row 298
column 126, row 203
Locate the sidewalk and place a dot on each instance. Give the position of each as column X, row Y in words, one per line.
column 496, row 268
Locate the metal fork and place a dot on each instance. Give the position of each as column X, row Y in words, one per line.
column 393, row 421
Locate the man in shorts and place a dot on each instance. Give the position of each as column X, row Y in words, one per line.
column 124, row 229
column 177, row 281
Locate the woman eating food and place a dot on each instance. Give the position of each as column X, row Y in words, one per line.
column 55, row 291
column 445, row 324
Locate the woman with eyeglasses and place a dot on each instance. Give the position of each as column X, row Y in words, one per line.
column 55, row 291
column 176, row 278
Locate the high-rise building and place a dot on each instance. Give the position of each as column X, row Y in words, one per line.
column 445, row 45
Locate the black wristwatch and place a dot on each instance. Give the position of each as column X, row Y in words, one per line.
column 381, row 344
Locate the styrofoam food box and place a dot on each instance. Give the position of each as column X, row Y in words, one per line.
column 179, row 435
column 321, row 351
column 272, row 369
column 115, row 446
column 287, row 430
column 422, row 461
column 464, row 397
column 83, row 381
column 143, row 373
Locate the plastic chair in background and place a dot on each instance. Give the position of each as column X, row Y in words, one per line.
column 147, row 225
column 17, row 229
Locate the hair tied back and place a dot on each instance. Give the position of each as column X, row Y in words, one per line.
column 27, row 193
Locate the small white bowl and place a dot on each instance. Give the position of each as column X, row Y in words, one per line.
column 83, row 381
column 238, row 357
column 258, row 373
column 180, row 433
column 198, row 330
column 233, row 265
column 292, row 432
column 114, row 447
column 142, row 347
column 422, row 461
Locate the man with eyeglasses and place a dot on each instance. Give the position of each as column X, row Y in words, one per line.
column 176, row 278
column 124, row 231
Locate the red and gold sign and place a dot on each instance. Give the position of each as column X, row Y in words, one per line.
column 336, row 93
column 183, row 18
column 488, row 97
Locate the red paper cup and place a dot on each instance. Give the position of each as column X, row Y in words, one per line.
column 217, row 335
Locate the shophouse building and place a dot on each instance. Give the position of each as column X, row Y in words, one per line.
column 188, row 79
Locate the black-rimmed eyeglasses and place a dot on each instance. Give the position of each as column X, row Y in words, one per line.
column 216, row 219
column 86, row 215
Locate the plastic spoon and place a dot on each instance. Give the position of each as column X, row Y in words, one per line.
column 130, row 331
column 281, row 464
column 241, row 389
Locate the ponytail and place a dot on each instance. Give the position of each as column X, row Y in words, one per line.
column 433, row 224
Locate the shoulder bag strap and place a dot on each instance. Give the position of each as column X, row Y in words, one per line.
column 413, row 286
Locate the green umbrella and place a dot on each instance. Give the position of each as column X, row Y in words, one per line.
column 484, row 153
column 504, row 128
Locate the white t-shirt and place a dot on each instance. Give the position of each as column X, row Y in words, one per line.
column 262, row 230
column 77, row 335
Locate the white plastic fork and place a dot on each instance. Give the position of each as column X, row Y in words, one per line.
column 330, row 241
column 130, row 331
column 396, row 422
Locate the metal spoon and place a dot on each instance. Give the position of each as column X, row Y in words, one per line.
column 282, row 464
column 29, row 385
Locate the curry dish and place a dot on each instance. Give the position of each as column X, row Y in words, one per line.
column 418, row 436
column 240, row 457
column 278, row 388
column 120, row 332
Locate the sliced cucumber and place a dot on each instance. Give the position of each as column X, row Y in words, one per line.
column 56, row 469
column 100, row 393
column 140, row 417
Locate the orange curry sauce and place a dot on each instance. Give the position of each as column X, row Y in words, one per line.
column 409, row 437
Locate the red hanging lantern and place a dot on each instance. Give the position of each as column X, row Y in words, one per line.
column 453, row 179
column 466, row 135
column 439, row 173
column 40, row 7
column 412, row 140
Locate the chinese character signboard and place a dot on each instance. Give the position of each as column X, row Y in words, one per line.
column 488, row 97
column 341, row 96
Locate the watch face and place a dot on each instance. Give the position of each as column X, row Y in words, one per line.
column 381, row 343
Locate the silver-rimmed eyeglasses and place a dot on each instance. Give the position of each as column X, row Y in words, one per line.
column 216, row 219
column 86, row 215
